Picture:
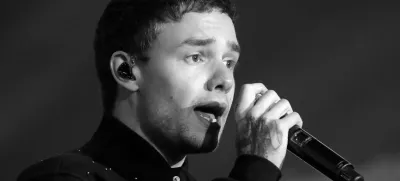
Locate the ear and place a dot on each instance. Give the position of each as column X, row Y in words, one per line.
column 119, row 58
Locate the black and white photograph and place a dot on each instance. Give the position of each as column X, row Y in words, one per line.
column 186, row 90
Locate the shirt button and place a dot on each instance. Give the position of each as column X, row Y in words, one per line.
column 176, row 178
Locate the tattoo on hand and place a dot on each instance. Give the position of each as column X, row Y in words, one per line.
column 257, row 138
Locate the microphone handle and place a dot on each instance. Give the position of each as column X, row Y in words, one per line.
column 322, row 158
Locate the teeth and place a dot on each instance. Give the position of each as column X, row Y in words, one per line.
column 208, row 117
column 205, row 117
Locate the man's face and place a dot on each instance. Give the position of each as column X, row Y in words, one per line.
column 188, row 79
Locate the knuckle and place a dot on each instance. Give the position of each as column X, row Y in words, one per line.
column 272, row 92
column 252, row 87
column 260, row 84
column 299, row 118
column 293, row 119
column 285, row 101
column 296, row 115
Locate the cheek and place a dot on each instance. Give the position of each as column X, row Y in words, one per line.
column 183, row 85
column 186, row 89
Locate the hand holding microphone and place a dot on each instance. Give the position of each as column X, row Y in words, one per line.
column 267, row 125
column 260, row 131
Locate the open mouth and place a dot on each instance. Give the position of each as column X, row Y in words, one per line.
column 206, row 116
column 210, row 112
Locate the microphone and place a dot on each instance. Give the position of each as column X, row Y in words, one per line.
column 321, row 157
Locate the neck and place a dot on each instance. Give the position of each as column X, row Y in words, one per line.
column 123, row 112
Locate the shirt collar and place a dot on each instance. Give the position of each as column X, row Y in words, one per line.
column 118, row 147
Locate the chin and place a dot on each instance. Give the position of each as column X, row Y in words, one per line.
column 209, row 147
column 203, row 142
column 200, row 147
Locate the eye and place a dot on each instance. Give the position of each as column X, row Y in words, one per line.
column 195, row 58
column 230, row 64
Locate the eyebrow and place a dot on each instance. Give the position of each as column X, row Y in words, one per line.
column 204, row 42
column 234, row 46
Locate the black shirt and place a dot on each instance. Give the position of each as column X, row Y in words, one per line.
column 116, row 153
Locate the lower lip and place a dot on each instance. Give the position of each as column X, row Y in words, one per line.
column 206, row 121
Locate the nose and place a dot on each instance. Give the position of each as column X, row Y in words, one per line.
column 222, row 79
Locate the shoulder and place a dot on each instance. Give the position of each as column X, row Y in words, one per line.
column 69, row 166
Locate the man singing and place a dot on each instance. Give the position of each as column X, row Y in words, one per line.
column 166, row 69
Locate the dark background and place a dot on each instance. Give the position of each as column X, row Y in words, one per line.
column 336, row 61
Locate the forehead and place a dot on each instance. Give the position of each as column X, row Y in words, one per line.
column 213, row 24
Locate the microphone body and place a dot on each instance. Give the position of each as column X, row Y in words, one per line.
column 320, row 157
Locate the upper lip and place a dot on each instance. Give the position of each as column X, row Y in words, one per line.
column 214, row 107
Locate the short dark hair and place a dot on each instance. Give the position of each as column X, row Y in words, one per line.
column 132, row 25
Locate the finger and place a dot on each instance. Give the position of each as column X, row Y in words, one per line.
column 279, row 109
column 247, row 97
column 263, row 104
column 290, row 120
